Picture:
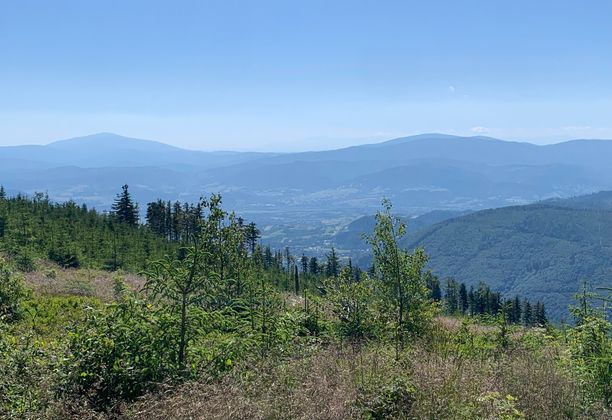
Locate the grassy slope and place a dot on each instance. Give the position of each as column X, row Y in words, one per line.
column 454, row 376
column 455, row 372
column 52, row 280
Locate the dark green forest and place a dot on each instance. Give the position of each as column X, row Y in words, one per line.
column 190, row 316
column 544, row 251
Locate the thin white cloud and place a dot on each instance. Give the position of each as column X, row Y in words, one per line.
column 577, row 128
column 479, row 130
column 451, row 89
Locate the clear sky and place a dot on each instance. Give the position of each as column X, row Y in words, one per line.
column 294, row 75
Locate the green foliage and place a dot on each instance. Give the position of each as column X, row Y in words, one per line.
column 355, row 305
column 25, row 376
column 182, row 286
column 502, row 407
column 124, row 208
column 590, row 346
column 120, row 289
column 119, row 353
column 502, row 339
column 401, row 274
column 540, row 251
column 12, row 294
column 73, row 236
column 215, row 304
column 258, row 309
column 394, row 400
column 473, row 344
column 332, row 266
column 24, row 259
column 49, row 316
column 65, row 258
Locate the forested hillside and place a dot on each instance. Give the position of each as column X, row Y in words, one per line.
column 191, row 317
column 544, row 251
column 73, row 236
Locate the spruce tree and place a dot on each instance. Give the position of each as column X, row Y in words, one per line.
column 540, row 314
column 124, row 208
column 515, row 311
column 452, row 296
column 471, row 301
column 527, row 314
column 156, row 217
column 313, row 266
column 463, row 298
column 252, row 235
column 332, row 267
column 268, row 257
column 433, row 284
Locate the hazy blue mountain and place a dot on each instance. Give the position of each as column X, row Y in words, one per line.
column 418, row 173
column 478, row 149
column 601, row 200
column 107, row 149
column 421, row 173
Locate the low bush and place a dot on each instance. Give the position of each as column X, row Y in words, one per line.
column 12, row 293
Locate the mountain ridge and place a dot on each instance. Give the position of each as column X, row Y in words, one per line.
column 418, row 173
column 542, row 250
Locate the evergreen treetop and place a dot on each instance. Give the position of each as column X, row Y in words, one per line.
column 124, row 207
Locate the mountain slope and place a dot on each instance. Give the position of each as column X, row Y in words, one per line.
column 426, row 172
column 112, row 150
column 542, row 251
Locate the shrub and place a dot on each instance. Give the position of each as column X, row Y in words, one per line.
column 24, row 376
column 354, row 304
column 12, row 294
column 64, row 258
column 119, row 353
column 503, row 407
column 24, row 260
column 394, row 400
column 590, row 348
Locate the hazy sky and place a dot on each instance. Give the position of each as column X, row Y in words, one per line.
column 293, row 75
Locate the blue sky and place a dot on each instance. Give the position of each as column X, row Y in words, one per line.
column 296, row 75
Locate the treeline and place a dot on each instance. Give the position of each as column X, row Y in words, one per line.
column 72, row 235
column 457, row 299
column 177, row 221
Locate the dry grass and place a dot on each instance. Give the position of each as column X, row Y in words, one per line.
column 454, row 387
column 50, row 279
column 316, row 387
column 334, row 383
column 541, row 387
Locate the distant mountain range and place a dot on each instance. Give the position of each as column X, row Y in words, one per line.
column 419, row 173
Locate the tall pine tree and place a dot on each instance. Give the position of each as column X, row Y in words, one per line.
column 124, row 207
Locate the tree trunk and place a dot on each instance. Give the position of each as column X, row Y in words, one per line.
column 182, row 335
